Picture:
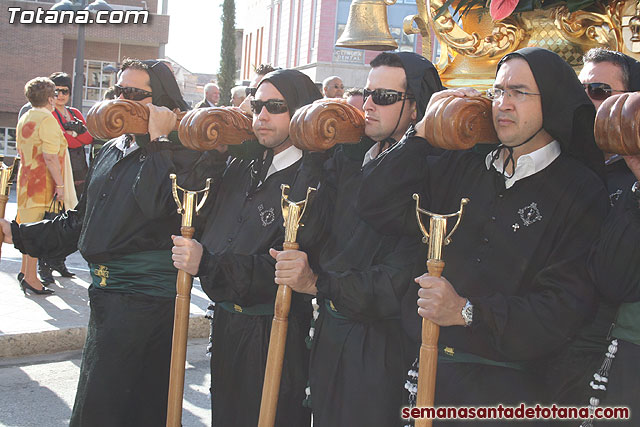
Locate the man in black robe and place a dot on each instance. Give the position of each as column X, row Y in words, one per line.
column 122, row 227
column 615, row 259
column 236, row 270
column 358, row 359
column 514, row 289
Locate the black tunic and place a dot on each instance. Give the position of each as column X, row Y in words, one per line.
column 358, row 356
column 237, row 269
column 127, row 206
column 518, row 256
column 615, row 267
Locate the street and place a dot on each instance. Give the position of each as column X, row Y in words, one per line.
column 39, row 390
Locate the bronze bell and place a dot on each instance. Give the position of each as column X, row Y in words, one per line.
column 634, row 26
column 367, row 26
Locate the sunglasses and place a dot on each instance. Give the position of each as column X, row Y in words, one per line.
column 274, row 106
column 600, row 91
column 385, row 96
column 62, row 91
column 250, row 91
column 131, row 93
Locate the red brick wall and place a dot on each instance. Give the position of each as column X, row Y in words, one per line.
column 29, row 51
column 327, row 10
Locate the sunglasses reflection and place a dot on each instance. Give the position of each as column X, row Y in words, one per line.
column 273, row 106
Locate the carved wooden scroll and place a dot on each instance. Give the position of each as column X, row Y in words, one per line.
column 451, row 123
column 455, row 123
column 200, row 129
column 110, row 119
column 204, row 129
column 321, row 125
column 617, row 125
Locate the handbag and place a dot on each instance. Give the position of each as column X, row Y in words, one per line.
column 54, row 209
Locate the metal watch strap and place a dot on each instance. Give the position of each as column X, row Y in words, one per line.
column 467, row 314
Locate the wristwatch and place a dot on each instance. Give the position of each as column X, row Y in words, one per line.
column 467, row 314
column 635, row 190
column 162, row 138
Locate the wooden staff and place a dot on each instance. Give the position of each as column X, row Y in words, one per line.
column 292, row 213
column 183, row 300
column 201, row 129
column 451, row 123
column 428, row 361
column 5, row 177
column 617, row 124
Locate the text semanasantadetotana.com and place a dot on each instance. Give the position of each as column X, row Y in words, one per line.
column 521, row 412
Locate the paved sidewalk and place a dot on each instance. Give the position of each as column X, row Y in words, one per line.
column 38, row 324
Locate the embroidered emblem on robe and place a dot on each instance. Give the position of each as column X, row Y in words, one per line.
column 613, row 197
column 530, row 214
column 266, row 216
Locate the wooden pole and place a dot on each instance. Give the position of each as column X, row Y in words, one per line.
column 292, row 213
column 428, row 356
column 428, row 359
column 183, row 299
column 275, row 356
column 180, row 327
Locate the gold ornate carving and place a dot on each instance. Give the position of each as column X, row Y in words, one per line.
column 587, row 28
column 505, row 36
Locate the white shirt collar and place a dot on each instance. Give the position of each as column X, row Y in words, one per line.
column 373, row 152
column 284, row 159
column 210, row 104
column 528, row 164
column 120, row 145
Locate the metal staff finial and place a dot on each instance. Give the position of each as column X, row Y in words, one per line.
column 437, row 227
column 292, row 212
column 185, row 208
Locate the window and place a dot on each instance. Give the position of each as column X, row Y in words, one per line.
column 8, row 141
column 97, row 80
column 406, row 42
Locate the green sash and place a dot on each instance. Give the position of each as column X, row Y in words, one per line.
column 627, row 327
column 451, row 355
column 150, row 273
column 254, row 310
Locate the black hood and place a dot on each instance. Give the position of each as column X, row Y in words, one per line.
column 164, row 86
column 296, row 88
column 567, row 112
column 422, row 79
column 634, row 73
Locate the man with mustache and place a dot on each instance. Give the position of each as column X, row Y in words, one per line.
column 236, row 270
column 514, row 289
column 358, row 359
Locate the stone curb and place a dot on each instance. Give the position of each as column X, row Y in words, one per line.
column 60, row 340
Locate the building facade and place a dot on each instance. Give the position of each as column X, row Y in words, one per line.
column 32, row 50
column 301, row 34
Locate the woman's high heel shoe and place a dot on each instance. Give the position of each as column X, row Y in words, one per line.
column 26, row 286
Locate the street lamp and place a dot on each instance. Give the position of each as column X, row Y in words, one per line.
column 78, row 81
